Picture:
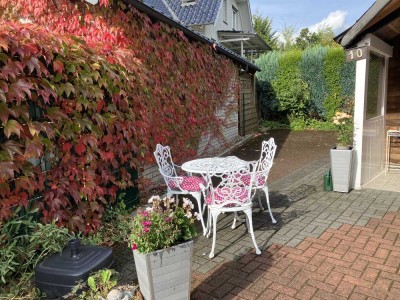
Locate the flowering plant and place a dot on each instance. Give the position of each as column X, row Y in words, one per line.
column 344, row 125
column 162, row 225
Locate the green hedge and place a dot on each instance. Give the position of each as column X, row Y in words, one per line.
column 312, row 71
column 292, row 92
column 266, row 94
column 312, row 83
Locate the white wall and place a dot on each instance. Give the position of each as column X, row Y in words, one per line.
column 243, row 24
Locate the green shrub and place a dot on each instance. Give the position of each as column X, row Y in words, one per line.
column 269, row 64
column 23, row 244
column 348, row 79
column 115, row 226
column 311, row 84
column 299, row 123
column 291, row 90
column 312, row 71
column 335, row 58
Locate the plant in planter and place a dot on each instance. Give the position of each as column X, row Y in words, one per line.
column 342, row 153
column 162, row 245
column 344, row 124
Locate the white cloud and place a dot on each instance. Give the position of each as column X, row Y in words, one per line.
column 335, row 20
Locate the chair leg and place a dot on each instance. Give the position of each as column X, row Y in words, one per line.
column 249, row 220
column 265, row 189
column 197, row 196
column 214, row 215
column 259, row 200
column 236, row 217
column 209, row 225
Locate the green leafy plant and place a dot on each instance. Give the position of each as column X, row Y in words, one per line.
column 162, row 225
column 115, row 226
column 98, row 284
column 23, row 244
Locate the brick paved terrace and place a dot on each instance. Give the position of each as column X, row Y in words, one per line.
column 325, row 245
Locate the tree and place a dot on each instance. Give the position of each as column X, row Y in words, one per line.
column 306, row 39
column 323, row 36
column 263, row 27
column 287, row 37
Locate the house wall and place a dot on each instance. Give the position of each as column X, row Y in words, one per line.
column 210, row 144
column 248, row 116
column 221, row 24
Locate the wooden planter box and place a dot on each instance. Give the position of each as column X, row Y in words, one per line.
column 167, row 273
column 341, row 167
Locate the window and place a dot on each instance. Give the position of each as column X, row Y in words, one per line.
column 234, row 18
column 374, row 88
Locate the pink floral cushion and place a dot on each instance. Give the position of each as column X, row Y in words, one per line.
column 240, row 193
column 189, row 183
column 260, row 180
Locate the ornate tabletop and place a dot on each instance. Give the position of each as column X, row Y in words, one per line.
column 213, row 164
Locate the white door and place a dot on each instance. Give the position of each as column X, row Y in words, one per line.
column 374, row 124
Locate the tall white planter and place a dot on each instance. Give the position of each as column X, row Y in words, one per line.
column 165, row 274
column 341, row 167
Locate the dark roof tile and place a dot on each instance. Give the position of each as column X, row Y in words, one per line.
column 202, row 12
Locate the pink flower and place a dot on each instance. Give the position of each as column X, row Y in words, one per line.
column 146, row 229
column 146, row 223
column 167, row 219
column 134, row 247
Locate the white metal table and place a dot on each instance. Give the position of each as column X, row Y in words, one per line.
column 390, row 133
column 213, row 164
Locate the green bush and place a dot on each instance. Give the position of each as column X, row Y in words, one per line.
column 299, row 123
column 312, row 71
column 348, row 79
column 115, row 226
column 335, row 59
column 312, row 84
column 291, row 90
column 23, row 244
column 269, row 64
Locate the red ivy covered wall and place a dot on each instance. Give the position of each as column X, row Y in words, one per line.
column 92, row 89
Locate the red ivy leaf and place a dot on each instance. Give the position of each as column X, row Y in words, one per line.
column 66, row 147
column 58, row 66
column 80, row 148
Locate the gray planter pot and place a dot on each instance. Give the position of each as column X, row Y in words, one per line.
column 167, row 273
column 341, row 167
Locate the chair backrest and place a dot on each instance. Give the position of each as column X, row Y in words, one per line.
column 265, row 162
column 231, row 188
column 164, row 160
column 268, row 150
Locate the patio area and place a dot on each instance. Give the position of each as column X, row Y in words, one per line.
column 325, row 245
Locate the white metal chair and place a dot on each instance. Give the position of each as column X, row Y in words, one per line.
column 263, row 167
column 230, row 194
column 180, row 185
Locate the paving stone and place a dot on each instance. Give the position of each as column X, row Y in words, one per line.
column 341, row 243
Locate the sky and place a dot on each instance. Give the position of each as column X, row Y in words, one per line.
column 338, row 14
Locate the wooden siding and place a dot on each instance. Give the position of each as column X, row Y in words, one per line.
column 393, row 100
column 248, row 116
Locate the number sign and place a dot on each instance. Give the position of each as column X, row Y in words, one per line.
column 357, row 54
